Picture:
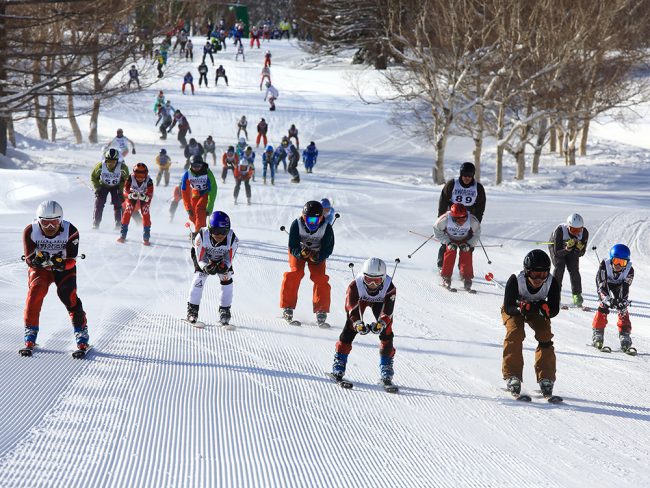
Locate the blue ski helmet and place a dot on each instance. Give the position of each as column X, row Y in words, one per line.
column 219, row 223
column 326, row 203
column 620, row 251
column 269, row 148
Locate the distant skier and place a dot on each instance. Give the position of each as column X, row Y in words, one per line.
column 243, row 172
column 292, row 167
column 241, row 147
column 459, row 231
column 281, row 154
column 160, row 102
column 138, row 193
column 268, row 159
column 214, row 249
column 241, row 126
column 51, row 245
column 176, row 198
column 569, row 244
column 272, row 94
column 210, row 147
column 159, row 59
column 311, row 242
column 531, row 297
column 134, row 76
column 166, row 115
column 199, row 191
column 192, row 149
column 183, row 127
column 229, row 160
column 328, row 210
column 293, row 134
column 262, row 129
column 189, row 51
column 188, row 79
column 613, row 281
column 220, row 73
column 121, row 143
column 203, row 74
column 240, row 52
column 465, row 190
column 267, row 59
column 109, row 177
column 309, row 157
column 265, row 75
column 207, row 51
column 371, row 289
column 164, row 162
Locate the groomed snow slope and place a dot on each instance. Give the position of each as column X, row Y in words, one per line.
column 159, row 403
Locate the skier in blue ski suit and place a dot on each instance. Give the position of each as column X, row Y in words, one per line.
column 309, row 156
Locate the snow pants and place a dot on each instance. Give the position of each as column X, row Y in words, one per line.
column 39, row 281
column 272, row 166
column 261, row 137
column 600, row 320
column 292, row 169
column 464, row 263
column 203, row 78
column 386, row 349
column 198, row 284
column 131, row 206
column 247, row 185
column 161, row 173
column 181, row 137
column 198, row 206
column 571, row 263
column 513, row 357
column 100, row 200
column 292, row 279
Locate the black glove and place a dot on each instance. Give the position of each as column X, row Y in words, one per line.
column 58, row 262
column 210, row 268
column 40, row 258
column 96, row 192
column 133, row 150
column 620, row 304
column 190, row 213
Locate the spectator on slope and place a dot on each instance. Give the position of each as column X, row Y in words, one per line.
column 272, row 94
column 241, row 126
column 311, row 242
column 134, row 76
column 121, row 143
column 210, row 147
column 108, row 177
column 568, row 245
column 164, row 162
column 191, row 150
column 613, row 281
column 531, row 297
column 183, row 127
column 371, row 289
column 262, row 129
column 188, row 79
column 213, row 252
column 459, row 231
column 465, row 190
column 199, row 192
column 51, row 245
column 138, row 193
column 229, row 160
column 203, row 74
column 220, row 73
column 265, row 75
column 309, row 157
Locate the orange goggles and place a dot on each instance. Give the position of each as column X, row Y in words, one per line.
column 619, row 262
column 373, row 281
column 538, row 275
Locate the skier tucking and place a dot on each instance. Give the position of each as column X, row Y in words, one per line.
column 138, row 193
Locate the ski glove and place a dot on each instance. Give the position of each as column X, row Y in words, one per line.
column 580, row 245
column 570, row 244
column 607, row 302
column 360, row 327
column 544, row 310
column 190, row 213
column 58, row 263
column 210, row 268
column 377, row 327
column 620, row 304
column 40, row 258
column 452, row 247
column 465, row 247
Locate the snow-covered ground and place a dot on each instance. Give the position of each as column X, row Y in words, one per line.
column 159, row 403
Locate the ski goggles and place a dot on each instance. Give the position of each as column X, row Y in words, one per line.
column 619, row 262
column 49, row 223
column 219, row 231
column 575, row 230
column 373, row 281
column 312, row 222
column 538, row 275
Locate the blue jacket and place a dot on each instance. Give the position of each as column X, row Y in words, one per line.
column 188, row 78
column 266, row 160
column 310, row 154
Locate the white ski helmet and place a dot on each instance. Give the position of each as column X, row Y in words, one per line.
column 575, row 220
column 49, row 210
column 374, row 268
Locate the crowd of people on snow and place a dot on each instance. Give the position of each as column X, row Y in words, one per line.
column 531, row 295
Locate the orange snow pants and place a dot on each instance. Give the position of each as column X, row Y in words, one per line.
column 513, row 356
column 292, row 279
column 39, row 281
column 623, row 323
column 464, row 263
column 198, row 205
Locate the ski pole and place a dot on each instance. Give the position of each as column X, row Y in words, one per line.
column 420, row 246
column 284, row 229
column 336, row 216
column 594, row 250
column 417, row 233
column 80, row 256
column 490, row 277
column 544, row 242
column 483, row 247
column 351, row 266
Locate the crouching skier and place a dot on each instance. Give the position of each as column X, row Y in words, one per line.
column 214, row 249
column 373, row 289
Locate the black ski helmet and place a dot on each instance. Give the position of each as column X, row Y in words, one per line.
column 537, row 260
column 467, row 169
column 312, row 209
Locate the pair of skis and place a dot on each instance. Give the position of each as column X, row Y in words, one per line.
column 202, row 325
column 471, row 291
column 630, row 351
column 523, row 397
column 27, row 352
column 298, row 323
column 388, row 385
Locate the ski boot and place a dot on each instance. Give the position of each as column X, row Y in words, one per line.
column 321, row 319
column 577, row 299
column 467, row 284
column 514, row 385
column 273, row 181
column 386, row 371
column 192, row 313
column 248, row 201
column 235, row 201
column 30, row 341
column 546, row 386
column 338, row 367
column 146, row 234
column 287, row 314
column 598, row 338
column 81, row 338
column 626, row 341
column 95, row 225
column 446, row 281
column 264, row 180
column 224, row 315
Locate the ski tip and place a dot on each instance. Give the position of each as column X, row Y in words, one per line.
column 324, row 325
column 27, row 353
column 554, row 399
column 522, row 398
